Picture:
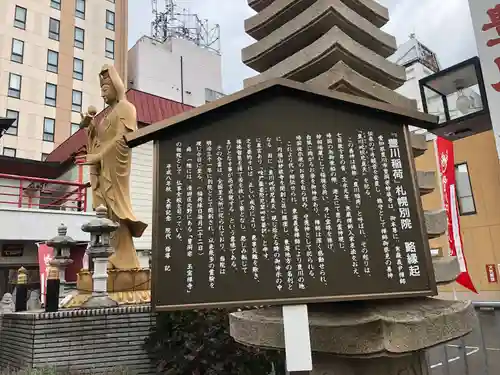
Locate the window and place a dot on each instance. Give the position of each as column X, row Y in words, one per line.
column 74, row 128
column 50, row 94
column 15, row 82
column 76, row 105
column 20, row 18
column 110, row 20
column 44, row 156
column 80, row 9
column 17, row 52
column 52, row 61
column 11, row 152
column 56, row 4
column 110, row 48
column 13, row 128
column 79, row 37
column 49, row 125
column 465, row 197
column 78, row 69
column 54, row 26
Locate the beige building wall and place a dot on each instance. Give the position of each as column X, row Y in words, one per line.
column 480, row 230
column 29, row 141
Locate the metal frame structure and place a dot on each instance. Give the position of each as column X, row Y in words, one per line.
column 174, row 22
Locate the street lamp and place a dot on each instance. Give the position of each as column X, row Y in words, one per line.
column 457, row 95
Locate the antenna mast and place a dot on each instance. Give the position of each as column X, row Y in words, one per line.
column 174, row 22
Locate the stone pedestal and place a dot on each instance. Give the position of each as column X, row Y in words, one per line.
column 62, row 245
column 100, row 276
column 365, row 338
column 411, row 364
column 100, row 249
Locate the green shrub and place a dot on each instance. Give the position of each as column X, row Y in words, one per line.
column 198, row 343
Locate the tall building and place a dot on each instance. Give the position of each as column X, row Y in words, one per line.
column 175, row 69
column 51, row 52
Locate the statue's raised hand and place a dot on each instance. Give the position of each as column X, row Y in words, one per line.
column 87, row 118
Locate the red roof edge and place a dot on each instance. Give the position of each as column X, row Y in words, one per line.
column 150, row 109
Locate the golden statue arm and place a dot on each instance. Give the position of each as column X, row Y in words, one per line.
column 118, row 140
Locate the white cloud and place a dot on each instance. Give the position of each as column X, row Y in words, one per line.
column 442, row 25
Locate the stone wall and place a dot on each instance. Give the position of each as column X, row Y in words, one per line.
column 97, row 340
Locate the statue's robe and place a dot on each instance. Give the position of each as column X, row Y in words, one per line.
column 113, row 185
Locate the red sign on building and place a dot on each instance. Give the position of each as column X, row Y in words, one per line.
column 486, row 23
column 491, row 273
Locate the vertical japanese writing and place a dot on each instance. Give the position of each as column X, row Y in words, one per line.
column 494, row 24
column 297, row 245
column 292, row 182
column 189, row 202
column 364, row 158
column 404, row 211
column 168, row 217
column 347, row 197
column 285, row 230
column 412, row 259
column 252, row 209
column 231, row 203
column 324, row 193
column 379, row 194
column 362, row 146
column 333, row 179
column 241, row 205
column 262, row 197
column 357, row 174
column 220, row 208
column 210, row 214
column 179, row 193
column 273, row 211
column 312, row 174
column 199, row 197
column 305, row 205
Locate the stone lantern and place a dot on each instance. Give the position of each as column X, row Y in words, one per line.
column 62, row 245
column 100, row 229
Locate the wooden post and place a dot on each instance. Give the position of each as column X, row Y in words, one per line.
column 53, row 284
column 22, row 290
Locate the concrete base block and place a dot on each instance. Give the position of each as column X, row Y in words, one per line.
column 411, row 364
column 96, row 340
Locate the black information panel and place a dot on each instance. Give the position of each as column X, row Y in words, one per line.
column 285, row 215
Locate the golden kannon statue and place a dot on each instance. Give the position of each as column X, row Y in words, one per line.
column 109, row 159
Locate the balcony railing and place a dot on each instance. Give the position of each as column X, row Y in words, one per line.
column 42, row 193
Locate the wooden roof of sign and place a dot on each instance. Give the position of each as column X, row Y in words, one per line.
column 282, row 86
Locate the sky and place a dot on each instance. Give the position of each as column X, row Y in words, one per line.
column 444, row 26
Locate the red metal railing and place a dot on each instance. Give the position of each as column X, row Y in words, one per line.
column 42, row 193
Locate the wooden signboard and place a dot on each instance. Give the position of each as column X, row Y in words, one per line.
column 12, row 250
column 286, row 200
